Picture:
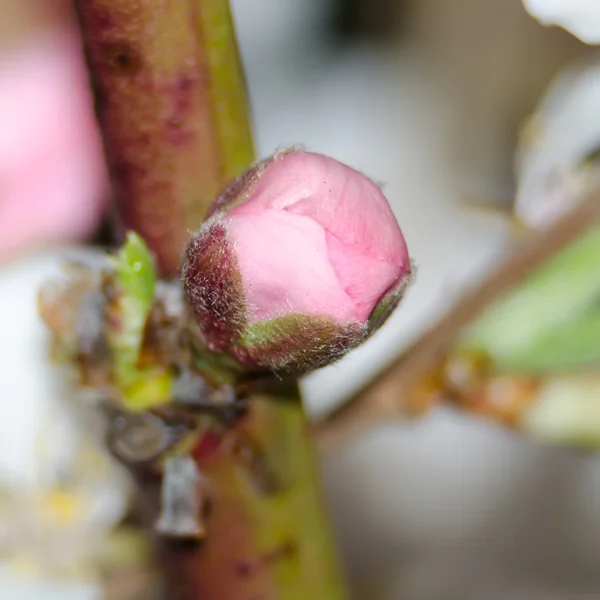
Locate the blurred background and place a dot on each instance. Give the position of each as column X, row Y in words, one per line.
column 431, row 99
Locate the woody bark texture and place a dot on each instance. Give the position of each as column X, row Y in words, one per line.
column 171, row 102
column 172, row 106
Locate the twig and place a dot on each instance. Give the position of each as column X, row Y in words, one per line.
column 401, row 388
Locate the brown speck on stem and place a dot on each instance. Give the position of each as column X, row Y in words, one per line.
column 123, row 58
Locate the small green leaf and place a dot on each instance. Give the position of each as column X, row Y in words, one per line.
column 135, row 280
column 135, row 271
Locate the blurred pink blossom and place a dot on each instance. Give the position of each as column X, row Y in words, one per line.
column 53, row 181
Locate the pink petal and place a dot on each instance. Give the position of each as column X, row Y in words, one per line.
column 285, row 267
column 328, row 244
column 364, row 279
column 342, row 200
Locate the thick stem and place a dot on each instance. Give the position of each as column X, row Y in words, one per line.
column 266, row 535
column 261, row 542
column 173, row 110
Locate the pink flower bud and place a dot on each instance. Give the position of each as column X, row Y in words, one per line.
column 301, row 259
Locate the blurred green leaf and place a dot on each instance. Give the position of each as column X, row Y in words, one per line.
column 548, row 321
column 573, row 345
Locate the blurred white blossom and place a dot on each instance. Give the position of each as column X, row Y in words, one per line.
column 557, row 157
column 61, row 494
column 580, row 17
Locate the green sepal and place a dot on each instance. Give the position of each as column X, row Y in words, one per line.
column 386, row 306
column 298, row 342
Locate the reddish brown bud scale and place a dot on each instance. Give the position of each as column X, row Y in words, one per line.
column 212, row 285
column 238, row 189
